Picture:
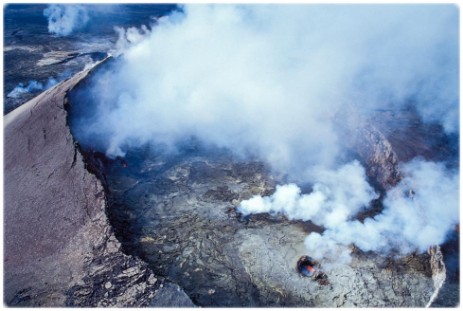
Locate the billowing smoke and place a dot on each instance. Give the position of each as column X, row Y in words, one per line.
column 64, row 19
column 22, row 89
column 419, row 212
column 129, row 37
column 337, row 196
column 269, row 81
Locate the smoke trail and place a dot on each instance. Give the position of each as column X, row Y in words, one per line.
column 33, row 86
column 336, row 197
column 64, row 19
column 128, row 38
column 22, row 89
column 270, row 80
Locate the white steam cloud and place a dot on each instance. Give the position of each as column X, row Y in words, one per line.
column 418, row 213
column 336, row 197
column 268, row 80
column 22, row 89
column 64, row 19
column 129, row 37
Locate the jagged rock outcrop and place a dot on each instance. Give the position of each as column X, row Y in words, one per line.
column 447, row 262
column 368, row 144
column 377, row 153
column 59, row 248
column 438, row 272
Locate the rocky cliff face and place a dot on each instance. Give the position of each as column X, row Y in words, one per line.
column 369, row 145
column 59, row 248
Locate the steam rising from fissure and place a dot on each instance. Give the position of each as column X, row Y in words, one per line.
column 270, row 81
column 64, row 19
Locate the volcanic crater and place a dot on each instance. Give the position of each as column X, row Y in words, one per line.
column 178, row 213
column 69, row 207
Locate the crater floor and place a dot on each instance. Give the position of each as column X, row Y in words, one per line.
column 177, row 212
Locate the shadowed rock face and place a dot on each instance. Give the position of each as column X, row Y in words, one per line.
column 409, row 137
column 59, row 249
column 371, row 147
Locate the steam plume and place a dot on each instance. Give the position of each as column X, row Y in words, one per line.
column 32, row 86
column 419, row 212
column 268, row 81
column 291, row 68
column 336, row 196
column 129, row 37
column 64, row 19
column 21, row 88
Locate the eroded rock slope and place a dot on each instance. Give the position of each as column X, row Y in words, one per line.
column 59, row 248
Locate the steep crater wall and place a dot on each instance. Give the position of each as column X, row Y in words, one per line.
column 59, row 247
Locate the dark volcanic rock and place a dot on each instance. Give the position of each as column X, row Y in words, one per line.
column 410, row 137
column 171, row 295
column 449, row 278
column 59, row 249
column 177, row 212
column 372, row 148
column 378, row 155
